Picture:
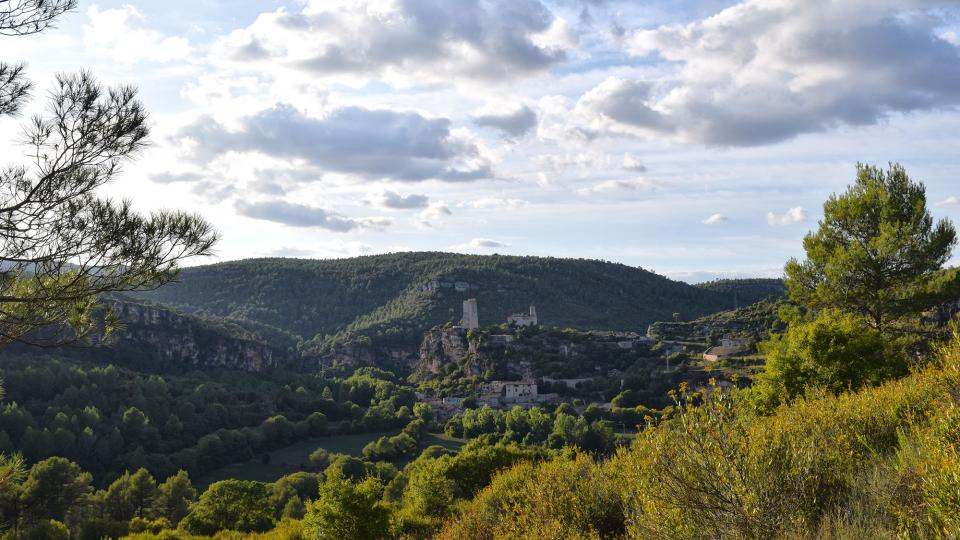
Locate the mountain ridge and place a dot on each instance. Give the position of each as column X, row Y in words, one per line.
column 392, row 299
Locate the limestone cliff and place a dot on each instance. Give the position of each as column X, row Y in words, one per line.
column 152, row 333
column 443, row 346
column 525, row 353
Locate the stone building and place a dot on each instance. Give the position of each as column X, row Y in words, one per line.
column 524, row 319
column 495, row 393
column 520, row 392
column 471, row 317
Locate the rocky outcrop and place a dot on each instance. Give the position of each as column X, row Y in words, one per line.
column 354, row 355
column 167, row 336
column 442, row 346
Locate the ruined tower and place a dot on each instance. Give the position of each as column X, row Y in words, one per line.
column 471, row 318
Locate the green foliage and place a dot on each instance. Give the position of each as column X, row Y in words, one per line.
column 875, row 251
column 174, row 497
column 384, row 299
column 834, row 351
column 130, row 495
column 535, row 501
column 319, row 459
column 230, row 505
column 883, row 462
column 347, row 510
column 533, row 427
column 110, row 420
column 48, row 530
column 52, row 487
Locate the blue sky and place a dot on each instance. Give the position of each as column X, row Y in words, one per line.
column 696, row 139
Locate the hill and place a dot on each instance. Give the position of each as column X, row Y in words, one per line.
column 754, row 322
column 390, row 300
column 746, row 291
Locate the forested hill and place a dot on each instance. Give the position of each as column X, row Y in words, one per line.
column 746, row 291
column 395, row 297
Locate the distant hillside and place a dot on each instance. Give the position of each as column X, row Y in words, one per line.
column 746, row 291
column 394, row 298
column 755, row 322
column 153, row 336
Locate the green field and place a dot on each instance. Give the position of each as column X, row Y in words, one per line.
column 293, row 458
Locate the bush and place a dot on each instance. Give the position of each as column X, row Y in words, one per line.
column 536, row 502
column 834, row 351
column 230, row 505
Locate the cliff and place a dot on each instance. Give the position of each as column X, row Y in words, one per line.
column 530, row 352
column 152, row 334
column 441, row 347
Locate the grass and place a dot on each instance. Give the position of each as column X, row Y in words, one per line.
column 442, row 439
column 290, row 459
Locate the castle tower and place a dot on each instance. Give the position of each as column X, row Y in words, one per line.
column 533, row 314
column 471, row 317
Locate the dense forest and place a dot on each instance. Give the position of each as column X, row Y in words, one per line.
column 394, row 298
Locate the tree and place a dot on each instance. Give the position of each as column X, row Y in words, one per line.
column 53, row 486
column 174, row 497
column 319, row 459
column 347, row 510
column 875, row 250
column 237, row 505
column 836, row 351
column 61, row 245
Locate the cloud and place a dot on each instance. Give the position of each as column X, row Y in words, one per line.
column 622, row 106
column 617, row 186
column 715, row 219
column 413, row 40
column 119, row 33
column 761, row 72
column 630, row 163
column 298, row 215
column 479, row 244
column 396, row 201
column 495, row 203
column 291, row 252
column 516, row 123
column 793, row 215
column 174, row 178
column 369, row 143
column 952, row 201
column 433, row 215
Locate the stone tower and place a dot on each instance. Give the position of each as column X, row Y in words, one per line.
column 471, row 318
column 533, row 314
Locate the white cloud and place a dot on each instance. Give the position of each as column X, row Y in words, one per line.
column 620, row 186
column 433, row 215
column 119, row 32
column 952, row 201
column 765, row 71
column 791, row 216
column 395, row 201
column 405, row 42
column 515, row 122
column 495, row 203
column 370, row 143
column 631, row 163
column 480, row 244
column 715, row 219
column 299, row 215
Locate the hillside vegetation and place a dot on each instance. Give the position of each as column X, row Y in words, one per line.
column 396, row 297
column 871, row 464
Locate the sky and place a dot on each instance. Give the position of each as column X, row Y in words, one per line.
column 695, row 139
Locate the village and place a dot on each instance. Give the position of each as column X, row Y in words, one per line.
column 525, row 392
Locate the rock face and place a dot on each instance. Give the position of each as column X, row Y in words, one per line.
column 167, row 336
column 440, row 347
column 361, row 354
